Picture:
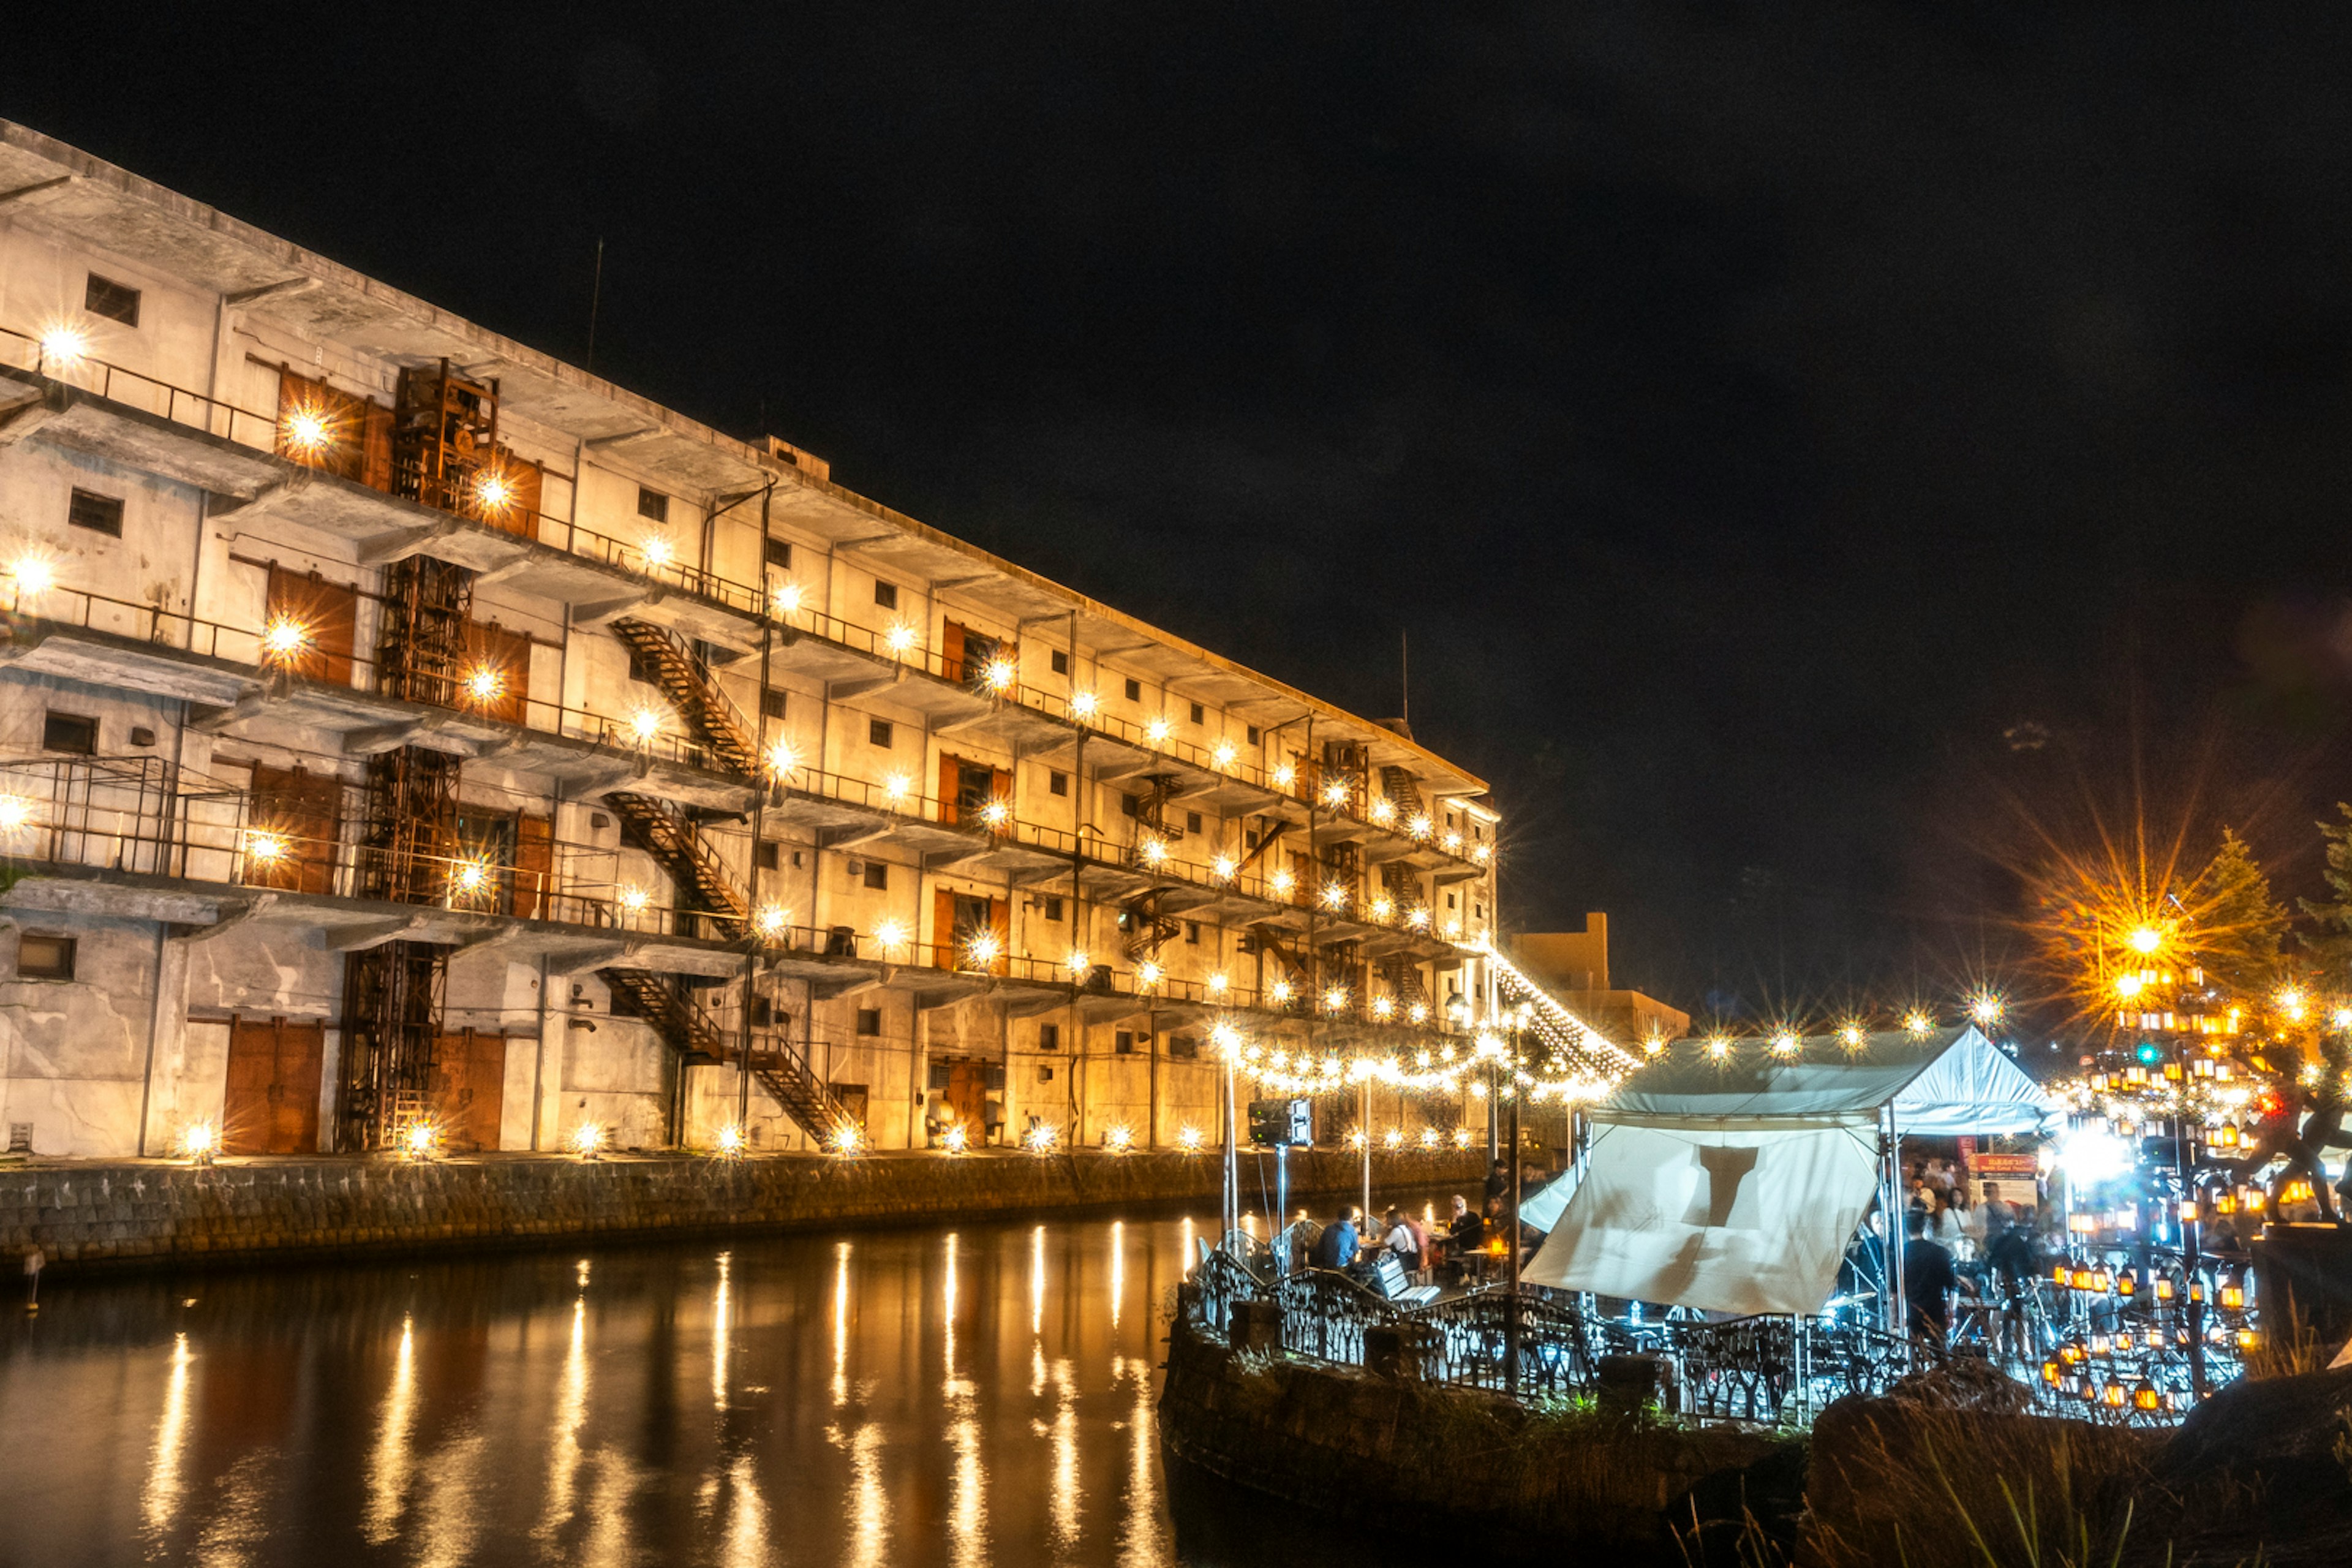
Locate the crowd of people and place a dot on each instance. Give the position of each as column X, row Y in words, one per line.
column 1450, row 1249
column 1956, row 1246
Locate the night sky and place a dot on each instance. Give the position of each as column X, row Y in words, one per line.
column 1814, row 451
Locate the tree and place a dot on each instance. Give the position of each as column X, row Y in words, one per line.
column 2240, row 927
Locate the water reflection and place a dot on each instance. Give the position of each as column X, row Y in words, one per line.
column 909, row 1397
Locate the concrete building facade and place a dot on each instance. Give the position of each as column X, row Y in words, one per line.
column 400, row 726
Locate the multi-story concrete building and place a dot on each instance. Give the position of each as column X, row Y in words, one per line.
column 398, row 724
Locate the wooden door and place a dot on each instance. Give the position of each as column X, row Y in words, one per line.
column 327, row 613
column 320, row 426
column 469, row 1088
column 534, row 867
column 967, row 1096
column 272, row 1102
column 293, row 826
column 492, row 650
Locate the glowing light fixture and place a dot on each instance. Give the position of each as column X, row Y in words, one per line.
column 730, row 1142
column 997, row 814
column 900, row 637
column 307, row 432
column 495, row 492
column 1718, row 1047
column 1118, row 1138
column 845, row 1139
column 264, row 846
column 659, row 551
column 1917, row 1022
column 1335, row 999
column 953, row 1138
column 1040, row 1138
column 1188, row 1139
column 470, row 876
column 2147, row 939
column 1082, row 704
column 786, row 598
column 1217, row 985
column 1985, row 1008
column 1784, row 1043
column 1223, row 868
column 587, row 1139
column 983, row 948
column 16, row 813
column 1224, row 754
column 1281, row 883
column 890, row 934
column 1851, row 1036
column 1077, row 960
column 1147, row 976
column 781, row 759
column 634, row 900
column 485, row 684
column 898, row 786
column 1418, row 826
column 1156, row 732
column 1383, row 810
column 419, row 1141
column 1393, row 1137
column 1334, row 896
column 1335, row 793
column 69, row 345
column 999, row 674
column 1154, row 852
column 200, row 1141
column 34, row 575
column 1285, row 775
column 645, row 724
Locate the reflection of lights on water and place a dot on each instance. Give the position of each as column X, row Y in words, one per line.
column 388, row 1462
column 160, row 1498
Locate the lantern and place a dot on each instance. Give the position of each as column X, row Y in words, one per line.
column 2145, row 1397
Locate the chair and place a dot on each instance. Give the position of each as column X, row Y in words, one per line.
column 1388, row 1279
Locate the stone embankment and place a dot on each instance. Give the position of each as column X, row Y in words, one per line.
column 91, row 1215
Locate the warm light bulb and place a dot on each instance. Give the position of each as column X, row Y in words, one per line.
column 1383, row 810
column 1335, row 793
column 283, row 637
column 634, row 900
column 1418, row 827
column 782, row 760
column 786, row 598
column 1082, row 704
column 1334, row 896
column 1188, row 1139
column 846, row 1138
column 1285, row 775
column 32, row 574
column 1223, row 868
column 995, row 814
column 1224, row 754
column 420, row 1138
column 901, row 637
column 1851, row 1036
column 1217, row 985
column 1718, row 1047
column 1147, row 975
column 497, row 493
column 999, row 674
column 891, row 933
column 15, row 812
column 1336, row 999
column 1282, row 882
column 659, row 551
column 485, row 684
column 1918, row 1023
column 898, row 786
column 1785, row 1043
column 69, row 345
column 586, row 1139
column 983, row 948
column 775, row 919
column 471, row 875
column 264, row 846
column 644, row 723
column 731, row 1140
column 2147, row 939
column 1154, row 851
column 1119, row 1139
column 1156, row 732
column 1077, row 960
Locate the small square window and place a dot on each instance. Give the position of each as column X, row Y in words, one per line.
column 1249, row 838
column 1057, row 783
column 1184, row 1048
column 142, row 736
column 1192, row 934
column 763, row 1013
column 115, row 302
column 877, row 731
column 69, row 733
column 1135, row 691
column 652, row 505
column 768, row 855
column 1192, row 822
column 1045, row 1074
column 885, row 594
column 1122, row 1044
column 1198, row 713
column 1049, row 1039
column 42, row 957
column 97, row 513
column 778, row 552
column 1126, row 806
column 1253, row 735
column 771, row 703
column 797, row 861
column 1061, row 662
column 869, row 1020
column 878, row 876
column 1054, row 908
column 639, row 670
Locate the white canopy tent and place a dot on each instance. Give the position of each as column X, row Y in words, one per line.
column 1735, row 1183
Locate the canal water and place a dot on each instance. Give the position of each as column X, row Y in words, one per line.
column 980, row 1395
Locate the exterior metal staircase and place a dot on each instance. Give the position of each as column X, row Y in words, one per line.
column 686, row 1028
column 1144, row 927
column 719, row 727
column 661, row 831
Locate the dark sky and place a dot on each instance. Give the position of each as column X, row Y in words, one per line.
column 1792, row 436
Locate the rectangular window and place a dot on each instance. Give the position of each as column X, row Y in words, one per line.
column 1192, row 934
column 869, row 1020
column 771, row 703
column 1249, row 838
column 1449, row 900
column 1253, row 735
column 1135, row 691
column 652, row 505
column 778, row 552
column 97, row 513
column 1197, row 714
column 115, row 302
column 69, row 733
column 1057, row 783
column 1045, row 1074
column 1049, row 1036
column 1184, row 1048
column 1054, row 908
column 1192, row 822
column 763, row 1013
column 769, row 855
column 1122, row 1044
column 885, row 594
column 1061, row 662
column 42, row 957
column 1479, row 910
column 878, row 876
column 1126, row 806
column 639, row 670
column 877, row 731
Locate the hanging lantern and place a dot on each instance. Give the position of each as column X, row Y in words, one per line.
column 2233, row 1295
column 2051, row 1372
column 2113, row 1396
column 2145, row 1397
column 2164, row 1288
column 2126, row 1283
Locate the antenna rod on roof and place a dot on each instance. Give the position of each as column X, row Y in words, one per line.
column 595, row 293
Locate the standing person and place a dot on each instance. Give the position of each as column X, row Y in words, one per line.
column 1928, row 1281
column 1498, row 1181
column 1949, row 1226
column 1335, row 1246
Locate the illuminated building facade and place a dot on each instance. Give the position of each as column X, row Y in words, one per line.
column 400, row 726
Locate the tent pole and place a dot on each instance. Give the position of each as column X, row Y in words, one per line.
column 1895, row 1222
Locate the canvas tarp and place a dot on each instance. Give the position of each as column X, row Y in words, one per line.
column 1734, row 1185
column 1740, row 1222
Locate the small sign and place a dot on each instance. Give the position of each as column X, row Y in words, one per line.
column 1278, row 1122
column 2006, row 1165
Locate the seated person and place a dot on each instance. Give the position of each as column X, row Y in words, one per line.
column 1335, row 1246
column 1464, row 1231
column 1398, row 1239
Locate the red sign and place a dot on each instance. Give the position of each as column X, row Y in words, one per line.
column 2006, row 1165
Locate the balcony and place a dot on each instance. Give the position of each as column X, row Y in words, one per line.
column 236, row 686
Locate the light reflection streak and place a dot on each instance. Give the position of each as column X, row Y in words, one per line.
column 448, row 1514
column 719, row 1327
column 747, row 1518
column 1184, row 1255
column 161, row 1496
column 243, row 1518
column 1143, row 1541
column 570, row 1410
column 1117, row 1268
column 967, row 1495
column 869, row 1505
column 841, row 1324
column 1037, row 1280
column 1064, row 1505
column 388, row 1466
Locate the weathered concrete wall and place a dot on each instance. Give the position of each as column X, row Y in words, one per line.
column 88, row 1215
column 1453, row 1464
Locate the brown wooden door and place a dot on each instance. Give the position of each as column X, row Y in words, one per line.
column 950, row 787
column 295, row 819
column 504, row 656
column 272, row 1102
column 534, row 867
column 327, row 614
column 951, row 653
column 967, row 1096
column 469, row 1087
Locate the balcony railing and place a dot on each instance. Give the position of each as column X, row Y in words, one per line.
column 652, row 559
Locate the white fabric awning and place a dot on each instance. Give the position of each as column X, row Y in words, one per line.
column 1742, row 1221
column 1735, row 1183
